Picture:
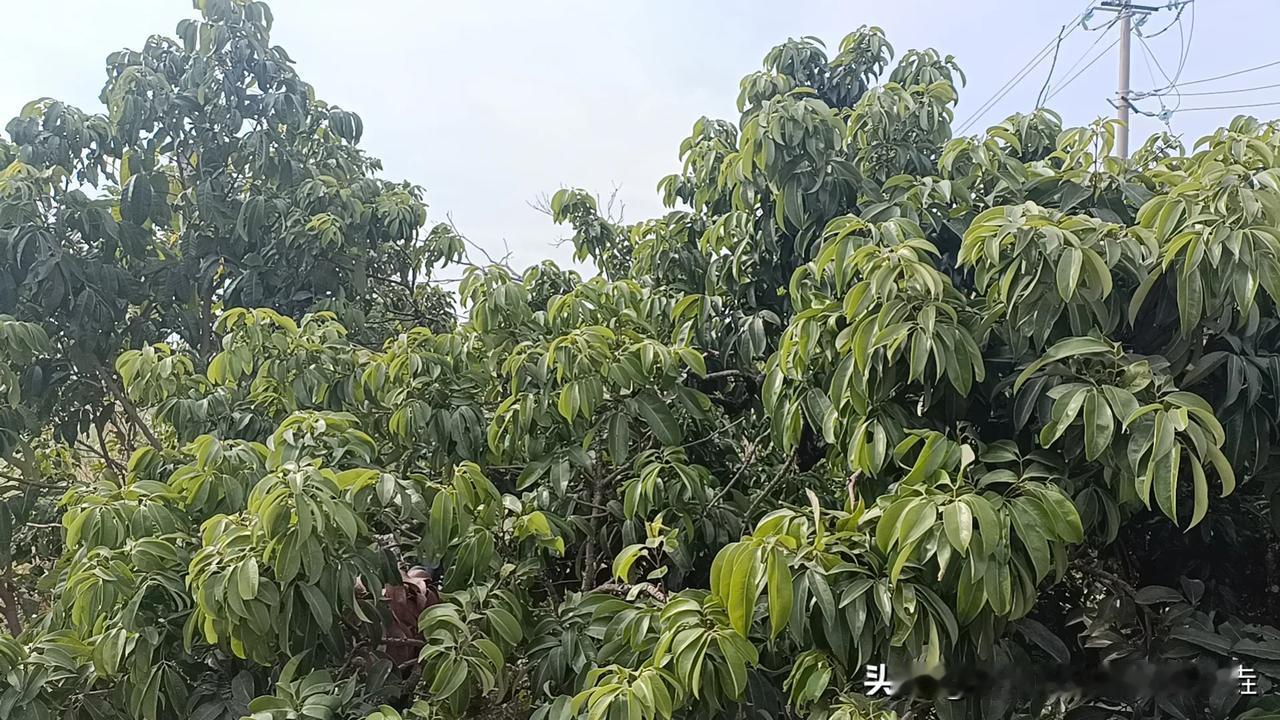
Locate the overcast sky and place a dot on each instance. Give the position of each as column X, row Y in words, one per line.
column 489, row 105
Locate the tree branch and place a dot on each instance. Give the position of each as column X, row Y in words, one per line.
column 9, row 597
column 782, row 471
column 742, row 468
column 129, row 408
column 32, row 483
column 624, row 590
column 1108, row 578
column 714, row 433
column 732, row 372
column 589, row 554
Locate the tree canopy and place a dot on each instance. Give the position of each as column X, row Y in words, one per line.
column 869, row 397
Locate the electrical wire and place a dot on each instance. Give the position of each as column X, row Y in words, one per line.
column 1177, row 19
column 1150, row 57
column 1233, row 91
column 1147, row 58
column 1231, row 107
column 1082, row 70
column 1007, row 87
column 1184, row 50
column 1101, row 36
column 1165, row 114
column 1227, row 75
column 1018, row 77
column 1186, row 46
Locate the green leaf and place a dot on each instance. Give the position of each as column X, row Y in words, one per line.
column 957, row 520
column 900, row 560
column 1209, row 641
column 735, row 662
column 1253, row 648
column 660, row 420
column 1153, row 594
column 916, row 521
column 625, row 559
column 744, row 588
column 1037, row 633
column 989, row 526
column 1099, row 426
column 569, row 401
column 820, row 413
column 694, row 360
column 450, row 676
column 998, row 587
column 1166, row 481
column 887, row 527
column 1190, row 300
column 506, row 624
column 1223, row 468
column 248, row 579
column 1065, row 516
column 1140, row 296
column 320, row 609
column 1200, row 489
column 1071, row 347
column 1068, row 273
column 619, row 438
column 780, row 592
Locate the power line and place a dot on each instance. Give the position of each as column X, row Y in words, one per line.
column 1082, row 70
column 1227, row 75
column 1013, row 82
column 1184, row 50
column 1186, row 46
column 1177, row 19
column 1230, row 107
column 1125, row 11
column 1101, row 36
column 1233, row 91
column 1149, row 57
column 1007, row 87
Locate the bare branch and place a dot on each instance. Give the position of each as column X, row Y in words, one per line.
column 624, row 590
column 782, row 471
column 129, row 408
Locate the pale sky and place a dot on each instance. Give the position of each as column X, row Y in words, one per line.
column 491, row 104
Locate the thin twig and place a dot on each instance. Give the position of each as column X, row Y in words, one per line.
column 714, row 433
column 589, row 504
column 129, row 408
column 624, row 590
column 731, row 372
column 782, row 471
column 413, row 642
column 742, row 468
column 33, row 483
column 1115, row 580
column 106, row 453
column 503, row 262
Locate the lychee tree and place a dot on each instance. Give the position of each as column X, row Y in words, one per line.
column 868, row 395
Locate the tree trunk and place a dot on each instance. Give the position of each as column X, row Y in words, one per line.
column 12, row 617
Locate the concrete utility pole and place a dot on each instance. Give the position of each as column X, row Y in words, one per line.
column 1122, row 83
column 1125, row 10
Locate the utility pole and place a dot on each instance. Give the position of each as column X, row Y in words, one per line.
column 1125, row 10
column 1122, row 83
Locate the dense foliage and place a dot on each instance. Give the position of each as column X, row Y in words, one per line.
column 867, row 394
